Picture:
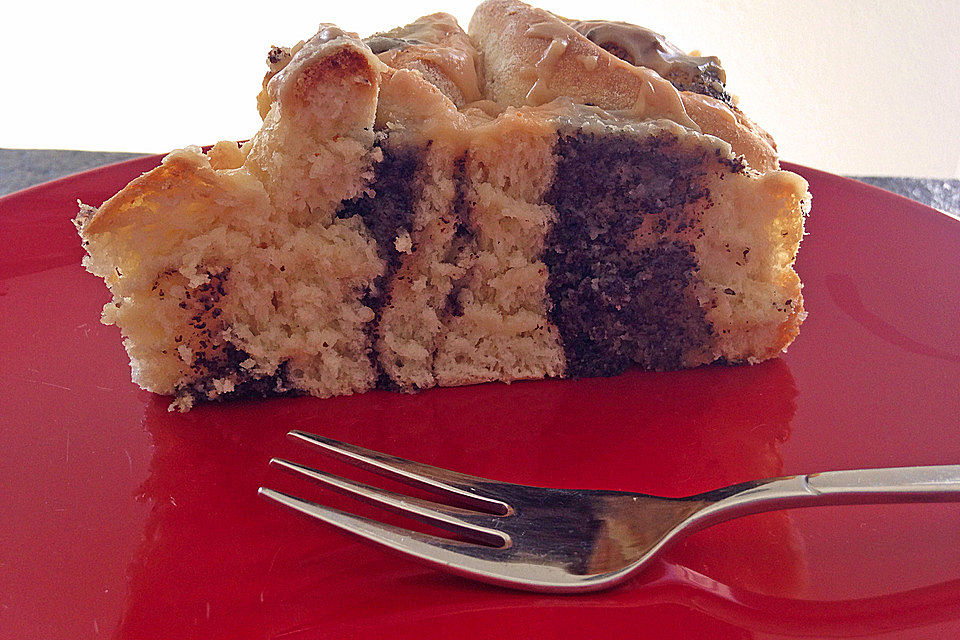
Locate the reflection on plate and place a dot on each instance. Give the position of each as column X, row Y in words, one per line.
column 134, row 522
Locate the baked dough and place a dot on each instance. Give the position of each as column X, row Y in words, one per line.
column 541, row 197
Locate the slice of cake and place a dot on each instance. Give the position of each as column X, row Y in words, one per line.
column 540, row 198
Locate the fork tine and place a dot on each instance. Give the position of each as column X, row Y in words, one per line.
column 504, row 566
column 444, row 516
column 459, row 487
column 450, row 554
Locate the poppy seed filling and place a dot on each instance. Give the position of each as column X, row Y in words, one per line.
column 614, row 303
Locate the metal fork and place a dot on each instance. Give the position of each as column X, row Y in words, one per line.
column 564, row 540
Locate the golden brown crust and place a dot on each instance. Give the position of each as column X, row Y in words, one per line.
column 439, row 49
column 409, row 100
column 277, row 59
column 328, row 38
column 330, row 54
column 179, row 168
column 515, row 42
column 320, row 122
column 729, row 123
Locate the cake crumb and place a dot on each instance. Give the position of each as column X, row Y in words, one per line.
column 403, row 243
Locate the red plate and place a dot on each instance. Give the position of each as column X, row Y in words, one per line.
column 122, row 519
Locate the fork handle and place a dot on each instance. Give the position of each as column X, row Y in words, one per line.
column 898, row 484
column 861, row 486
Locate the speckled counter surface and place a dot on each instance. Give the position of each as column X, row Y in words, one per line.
column 22, row 168
column 939, row 194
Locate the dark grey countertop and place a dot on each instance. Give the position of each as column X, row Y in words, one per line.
column 22, row 168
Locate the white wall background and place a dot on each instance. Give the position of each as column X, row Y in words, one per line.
column 849, row 86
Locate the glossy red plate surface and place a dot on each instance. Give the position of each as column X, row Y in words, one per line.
column 121, row 519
